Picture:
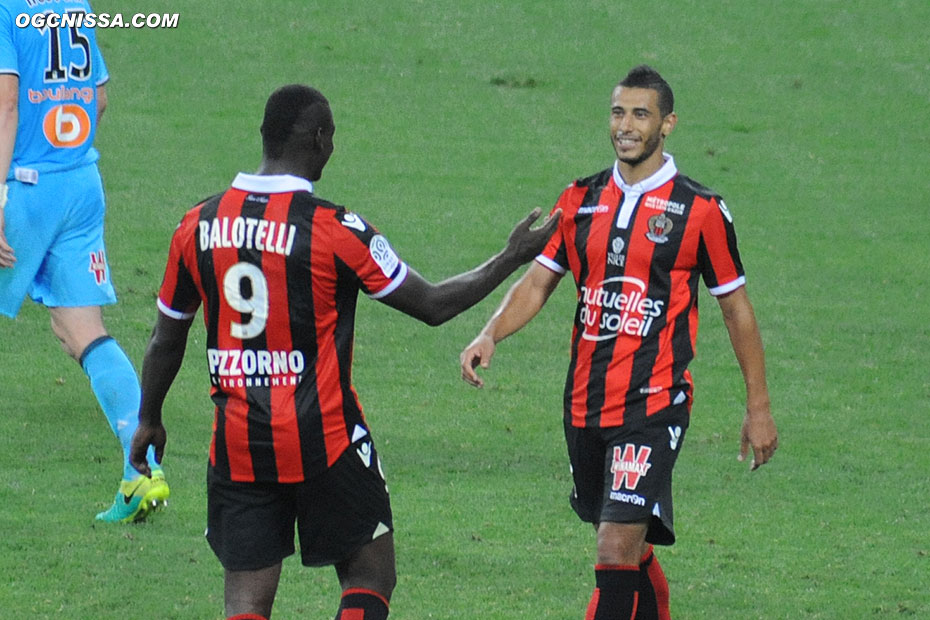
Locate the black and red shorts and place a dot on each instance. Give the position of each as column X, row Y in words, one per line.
column 250, row 525
column 623, row 474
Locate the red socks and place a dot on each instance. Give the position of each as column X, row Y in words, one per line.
column 361, row 604
column 616, row 596
column 653, row 590
column 630, row 592
column 357, row 604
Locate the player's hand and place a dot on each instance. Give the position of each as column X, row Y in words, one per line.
column 144, row 437
column 760, row 434
column 478, row 353
column 526, row 243
column 7, row 256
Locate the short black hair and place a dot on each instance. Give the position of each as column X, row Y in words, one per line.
column 645, row 76
column 285, row 107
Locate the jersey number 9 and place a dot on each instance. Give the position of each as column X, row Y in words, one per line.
column 254, row 302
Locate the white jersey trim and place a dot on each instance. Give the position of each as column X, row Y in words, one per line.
column 171, row 313
column 390, row 288
column 659, row 178
column 550, row 264
column 271, row 183
column 632, row 193
column 729, row 287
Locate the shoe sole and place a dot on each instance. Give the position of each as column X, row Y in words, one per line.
column 152, row 502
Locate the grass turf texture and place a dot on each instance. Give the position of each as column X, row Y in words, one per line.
column 453, row 120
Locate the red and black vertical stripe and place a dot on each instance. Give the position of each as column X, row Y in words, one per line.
column 617, row 377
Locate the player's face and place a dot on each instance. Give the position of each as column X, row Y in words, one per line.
column 637, row 128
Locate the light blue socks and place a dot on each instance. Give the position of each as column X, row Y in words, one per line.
column 116, row 386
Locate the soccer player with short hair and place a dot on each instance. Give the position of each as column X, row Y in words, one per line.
column 278, row 271
column 636, row 238
column 52, row 94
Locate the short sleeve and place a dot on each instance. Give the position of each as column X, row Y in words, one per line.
column 101, row 75
column 369, row 255
column 718, row 255
column 555, row 255
column 178, row 296
column 9, row 62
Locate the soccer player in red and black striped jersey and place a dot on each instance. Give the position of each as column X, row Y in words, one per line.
column 278, row 271
column 637, row 238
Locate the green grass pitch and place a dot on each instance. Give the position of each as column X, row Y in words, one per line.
column 453, row 120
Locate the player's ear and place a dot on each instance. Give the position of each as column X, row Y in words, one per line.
column 317, row 137
column 668, row 123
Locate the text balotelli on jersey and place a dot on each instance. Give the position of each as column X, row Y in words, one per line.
column 249, row 233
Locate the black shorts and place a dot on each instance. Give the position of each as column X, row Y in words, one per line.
column 250, row 525
column 624, row 475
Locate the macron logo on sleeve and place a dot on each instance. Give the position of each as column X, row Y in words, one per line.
column 350, row 220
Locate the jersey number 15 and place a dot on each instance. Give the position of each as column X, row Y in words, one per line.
column 56, row 71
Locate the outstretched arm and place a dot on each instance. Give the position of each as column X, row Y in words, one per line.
column 163, row 358
column 522, row 302
column 435, row 304
column 9, row 120
column 758, row 431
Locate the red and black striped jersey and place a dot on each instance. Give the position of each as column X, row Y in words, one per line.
column 278, row 272
column 636, row 253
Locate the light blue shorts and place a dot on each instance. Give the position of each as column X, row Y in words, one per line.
column 56, row 230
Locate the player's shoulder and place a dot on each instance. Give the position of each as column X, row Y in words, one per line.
column 598, row 180
column 205, row 205
column 202, row 209
column 19, row 7
column 307, row 198
column 340, row 219
column 577, row 190
column 700, row 190
column 320, row 207
column 9, row 9
column 705, row 200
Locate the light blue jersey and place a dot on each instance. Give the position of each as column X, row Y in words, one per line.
column 55, row 213
column 59, row 70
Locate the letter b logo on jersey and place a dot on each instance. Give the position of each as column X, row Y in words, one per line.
column 66, row 126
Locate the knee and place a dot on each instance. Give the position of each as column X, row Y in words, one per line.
column 64, row 339
column 252, row 592
column 381, row 579
column 76, row 328
column 614, row 556
column 621, row 543
column 371, row 568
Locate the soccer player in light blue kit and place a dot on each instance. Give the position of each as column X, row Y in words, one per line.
column 52, row 94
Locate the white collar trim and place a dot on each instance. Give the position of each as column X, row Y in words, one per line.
column 271, row 183
column 659, row 178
